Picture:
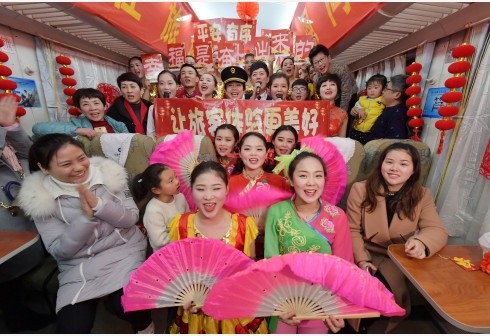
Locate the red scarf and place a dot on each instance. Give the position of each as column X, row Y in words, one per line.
column 138, row 124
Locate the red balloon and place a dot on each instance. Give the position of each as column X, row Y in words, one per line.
column 414, row 112
column 69, row 81
column 455, row 82
column 459, row 67
column 416, row 122
column 7, row 84
column 74, row 111
column 413, row 101
column 5, row 70
column 3, row 57
column 452, row 97
column 414, row 67
column 66, row 71
column 464, row 50
column 20, row 111
column 247, row 11
column 413, row 90
column 445, row 124
column 63, row 60
column 414, row 79
column 69, row 91
column 448, row 110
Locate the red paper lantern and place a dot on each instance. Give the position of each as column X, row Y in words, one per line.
column 247, row 11
column 414, row 112
column 455, row 82
column 416, row 122
column 464, row 50
column 3, row 57
column 414, row 101
column 459, row 67
column 5, row 71
column 65, row 71
column 413, row 90
column 7, row 85
column 448, row 110
column 414, row 79
column 452, row 97
column 69, row 82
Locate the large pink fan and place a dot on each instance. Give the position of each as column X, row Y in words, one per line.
column 312, row 285
column 180, row 155
column 256, row 203
column 336, row 179
column 182, row 272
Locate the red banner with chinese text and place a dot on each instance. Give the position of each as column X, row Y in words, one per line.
column 227, row 54
column 152, row 23
column 262, row 48
column 302, row 46
column 176, row 55
column 173, row 115
column 153, row 65
column 280, row 40
column 223, row 30
column 203, row 54
column 329, row 22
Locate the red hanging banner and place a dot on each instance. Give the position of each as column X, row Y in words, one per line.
column 227, row 54
column 310, row 118
column 176, row 55
column 329, row 22
column 302, row 46
column 262, row 48
column 155, row 24
column 203, row 53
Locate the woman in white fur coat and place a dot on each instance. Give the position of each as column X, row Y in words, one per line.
column 86, row 218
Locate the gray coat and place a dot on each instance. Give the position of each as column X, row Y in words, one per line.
column 95, row 255
column 34, row 254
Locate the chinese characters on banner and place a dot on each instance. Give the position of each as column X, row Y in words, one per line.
column 176, row 55
column 302, row 47
column 262, row 48
column 203, row 54
column 281, row 41
column 227, row 54
column 329, row 22
column 153, row 65
column 309, row 118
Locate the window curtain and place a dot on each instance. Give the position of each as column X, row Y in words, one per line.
column 89, row 72
column 389, row 67
column 464, row 198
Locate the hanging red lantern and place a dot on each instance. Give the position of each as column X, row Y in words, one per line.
column 448, row 111
column 66, row 71
column 6, row 84
column 414, row 111
column 247, row 11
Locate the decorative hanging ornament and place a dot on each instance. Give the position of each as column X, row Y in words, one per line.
column 247, row 11
column 457, row 82
column 6, row 84
column 70, row 82
column 413, row 103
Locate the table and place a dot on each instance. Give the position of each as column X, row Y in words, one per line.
column 462, row 298
column 14, row 242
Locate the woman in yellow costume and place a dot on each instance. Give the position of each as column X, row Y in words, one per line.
column 209, row 184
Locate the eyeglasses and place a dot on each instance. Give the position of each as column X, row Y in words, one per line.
column 320, row 61
column 386, row 89
column 299, row 89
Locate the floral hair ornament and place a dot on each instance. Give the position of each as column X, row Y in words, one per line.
column 284, row 161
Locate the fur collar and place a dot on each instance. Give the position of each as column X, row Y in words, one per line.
column 36, row 201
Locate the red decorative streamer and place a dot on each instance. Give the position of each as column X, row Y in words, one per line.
column 414, row 111
column 454, row 83
column 6, row 84
column 70, row 82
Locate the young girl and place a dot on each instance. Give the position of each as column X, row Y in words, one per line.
column 209, row 184
column 250, row 170
column 160, row 181
column 391, row 207
column 167, row 88
column 86, row 218
column 279, row 86
column 328, row 88
column 368, row 108
column 226, row 137
column 306, row 223
column 207, row 86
